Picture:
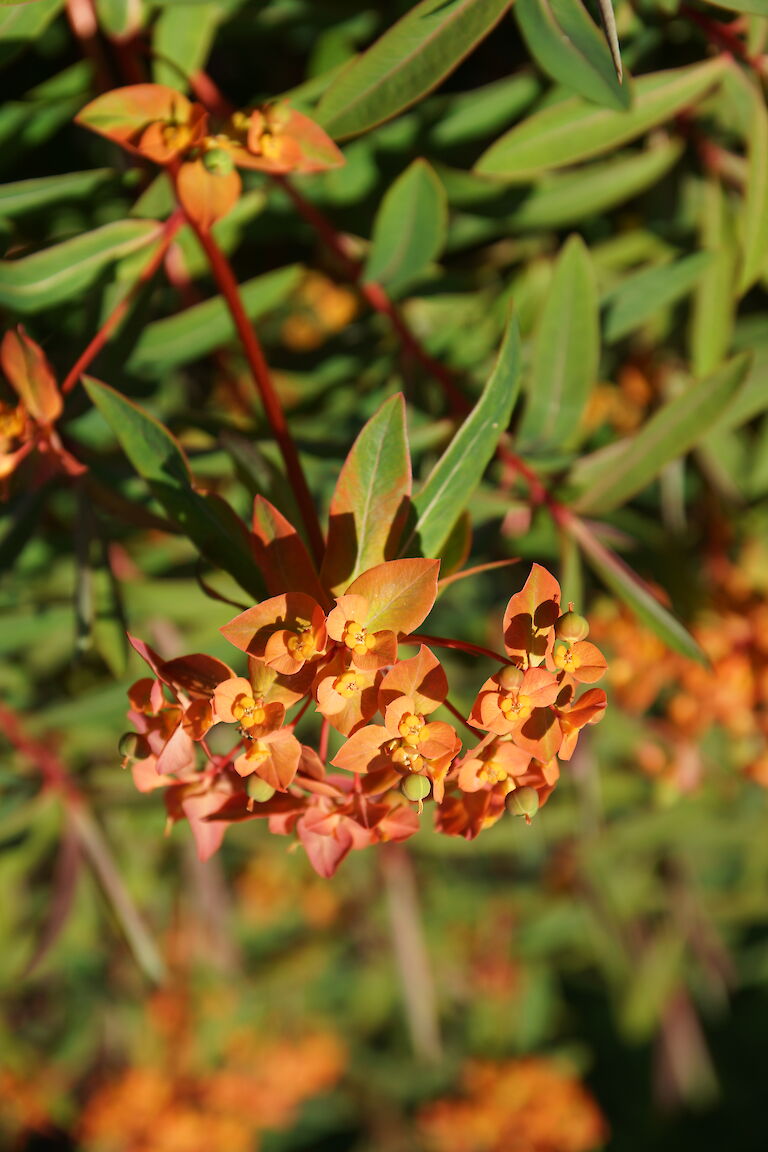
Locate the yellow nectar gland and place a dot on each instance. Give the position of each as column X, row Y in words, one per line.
column 257, row 751
column 565, row 658
column 405, row 757
column 410, row 727
column 248, row 712
column 11, row 423
column 357, row 639
column 516, row 707
column 348, row 684
column 493, row 773
column 301, row 644
column 176, row 136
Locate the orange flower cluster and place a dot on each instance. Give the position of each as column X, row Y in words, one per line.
column 343, row 657
column 29, row 413
column 163, row 126
column 175, row 1104
column 529, row 1105
column 690, row 700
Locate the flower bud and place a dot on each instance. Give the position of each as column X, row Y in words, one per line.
column 416, row 787
column 218, row 161
column 258, row 789
column 571, row 627
column 523, row 802
column 132, row 746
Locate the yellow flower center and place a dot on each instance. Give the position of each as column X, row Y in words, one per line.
column 493, row 773
column 566, row 659
column 11, row 423
column 348, row 684
column 249, row 712
column 516, row 707
column 406, row 757
column 357, row 639
column 410, row 727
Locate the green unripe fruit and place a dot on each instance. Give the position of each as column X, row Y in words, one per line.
column 218, row 161
column 511, row 677
column 416, row 787
column 571, row 627
column 523, row 802
column 132, row 746
column 258, row 789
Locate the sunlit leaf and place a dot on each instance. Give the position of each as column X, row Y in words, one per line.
column 410, row 228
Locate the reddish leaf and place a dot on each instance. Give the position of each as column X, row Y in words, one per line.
column 207, row 195
column 30, row 375
column 540, row 735
column 370, row 503
column 421, row 678
column 281, row 554
column 283, row 140
column 251, row 630
column 400, row 594
column 124, row 114
column 530, row 617
column 325, row 852
column 198, row 674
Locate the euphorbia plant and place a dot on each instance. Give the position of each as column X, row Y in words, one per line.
column 331, row 640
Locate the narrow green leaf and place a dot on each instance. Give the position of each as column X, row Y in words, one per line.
column 754, row 239
column 568, row 47
column 39, row 113
column 158, row 458
column 370, row 504
column 566, row 353
column 409, row 60
column 574, row 130
column 119, row 18
column 712, row 313
column 610, row 477
column 181, row 40
column 754, row 7
column 648, row 293
column 470, row 116
column 59, row 273
column 28, row 195
column 628, row 586
column 22, row 23
column 449, row 487
column 200, row 329
column 410, row 228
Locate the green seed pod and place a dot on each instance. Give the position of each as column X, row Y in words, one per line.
column 218, row 161
column 258, row 789
column 523, row 802
column 416, row 787
column 571, row 627
column 511, row 677
column 132, row 746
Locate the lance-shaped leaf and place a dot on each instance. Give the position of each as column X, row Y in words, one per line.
column 22, row 23
column 400, row 594
column 568, row 47
column 574, row 130
column 409, row 60
column 203, row 327
column 410, row 228
column 754, row 239
column 754, row 7
column 123, row 114
column 646, row 294
column 713, row 308
column 58, row 274
column 370, row 502
column 181, row 40
column 451, row 483
column 29, row 195
column 159, row 459
column 566, row 355
column 628, row 586
column 282, row 555
column 610, row 477
column 28, row 371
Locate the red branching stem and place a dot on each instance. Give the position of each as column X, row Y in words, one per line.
column 170, row 228
column 722, row 35
column 210, row 95
column 300, row 713
column 322, row 749
column 460, row 645
column 51, row 769
column 229, row 288
column 462, row 719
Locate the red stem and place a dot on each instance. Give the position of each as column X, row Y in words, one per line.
column 229, row 288
column 461, row 645
column 325, row 731
column 170, row 228
column 454, row 710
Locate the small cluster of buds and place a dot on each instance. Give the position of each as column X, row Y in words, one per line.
column 163, row 126
column 343, row 658
column 30, row 408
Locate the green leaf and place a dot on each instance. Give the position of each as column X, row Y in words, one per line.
column 158, row 458
column 60, row 273
column 755, row 7
column 410, row 228
column 568, row 47
column 574, row 130
column 181, row 40
column 754, row 218
column 28, row 195
column 370, row 502
column 200, row 329
column 409, row 60
column 449, row 487
column 20, row 24
column 119, row 18
column 566, row 353
column 469, row 116
column 628, row 586
column 610, row 477
column 30, row 121
column 712, row 313
column 648, row 293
